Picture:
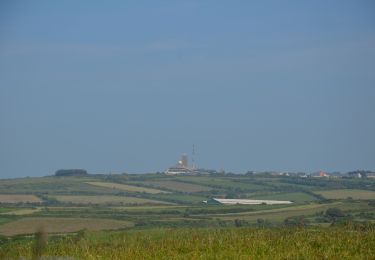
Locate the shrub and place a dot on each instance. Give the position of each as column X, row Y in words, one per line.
column 334, row 213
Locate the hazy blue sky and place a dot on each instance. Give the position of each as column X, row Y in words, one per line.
column 114, row 86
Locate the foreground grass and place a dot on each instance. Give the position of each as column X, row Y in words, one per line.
column 226, row 243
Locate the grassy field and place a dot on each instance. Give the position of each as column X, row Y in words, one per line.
column 124, row 187
column 225, row 243
column 5, row 210
column 106, row 200
column 20, row 211
column 163, row 217
column 181, row 198
column 59, row 225
column 176, row 186
column 149, row 207
column 298, row 197
column 348, row 193
column 222, row 183
column 279, row 214
column 52, row 184
column 17, row 198
column 176, row 201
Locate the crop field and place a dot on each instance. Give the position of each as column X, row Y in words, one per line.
column 280, row 214
column 298, row 197
column 177, row 186
column 20, row 211
column 52, row 184
column 17, row 198
column 222, row 183
column 106, row 200
column 149, row 201
column 148, row 207
column 125, row 187
column 162, row 217
column 5, row 210
column 181, row 198
column 59, row 225
column 202, row 243
column 348, row 193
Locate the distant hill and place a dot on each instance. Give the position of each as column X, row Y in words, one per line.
column 71, row 172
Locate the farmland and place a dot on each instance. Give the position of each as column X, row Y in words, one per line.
column 298, row 197
column 222, row 183
column 125, row 187
column 52, row 184
column 105, row 200
column 19, row 198
column 153, row 205
column 348, row 193
column 20, row 211
column 59, row 225
column 279, row 215
column 177, row 186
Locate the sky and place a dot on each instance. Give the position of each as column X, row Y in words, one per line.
column 129, row 86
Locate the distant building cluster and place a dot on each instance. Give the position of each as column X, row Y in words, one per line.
column 182, row 167
column 319, row 174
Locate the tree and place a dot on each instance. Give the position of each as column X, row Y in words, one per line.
column 334, row 213
column 71, row 172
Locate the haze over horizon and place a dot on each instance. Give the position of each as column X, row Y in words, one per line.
column 130, row 86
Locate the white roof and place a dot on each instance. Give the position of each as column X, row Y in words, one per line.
column 251, row 202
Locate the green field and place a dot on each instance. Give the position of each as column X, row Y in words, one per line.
column 54, row 185
column 176, row 186
column 20, row 211
column 298, row 197
column 223, row 183
column 180, row 198
column 153, row 216
column 158, row 201
column 19, row 198
column 59, row 225
column 105, row 200
column 348, row 193
column 5, row 210
column 124, row 187
column 280, row 214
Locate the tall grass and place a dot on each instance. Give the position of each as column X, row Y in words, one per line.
column 204, row 243
column 40, row 243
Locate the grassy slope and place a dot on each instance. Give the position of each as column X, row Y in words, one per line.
column 181, row 198
column 278, row 215
column 298, row 197
column 345, row 193
column 53, row 185
column 16, row 198
column 175, row 186
column 20, row 211
column 124, row 187
column 5, row 210
column 105, row 199
column 228, row 243
column 266, row 188
column 221, row 182
column 59, row 225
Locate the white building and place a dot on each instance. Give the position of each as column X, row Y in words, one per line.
column 246, row 202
